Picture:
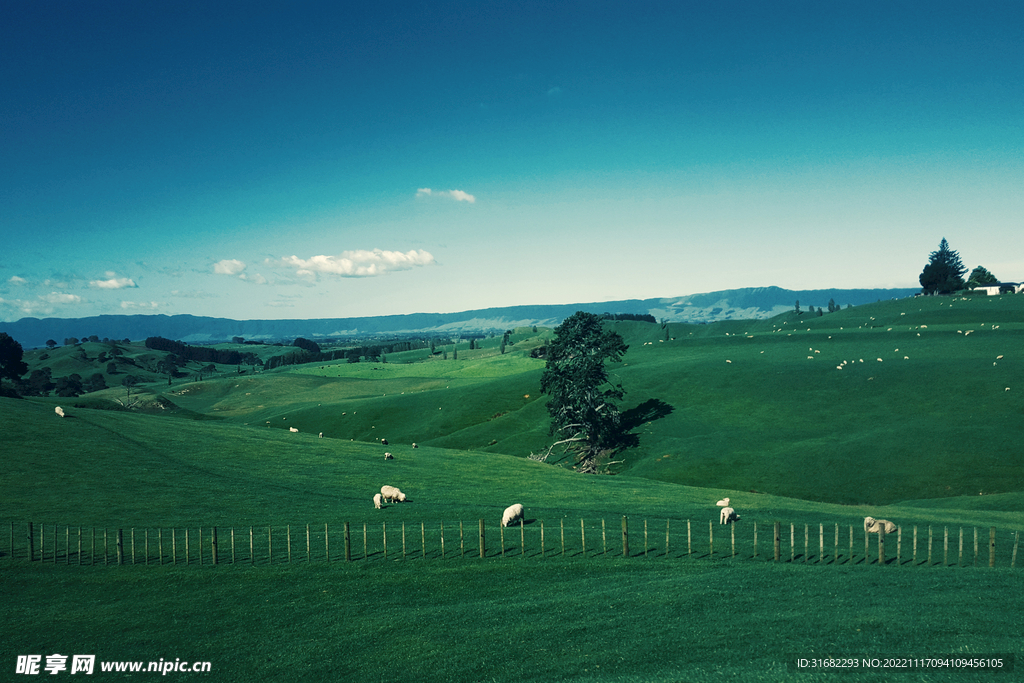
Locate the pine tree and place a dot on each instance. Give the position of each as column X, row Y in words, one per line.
column 944, row 273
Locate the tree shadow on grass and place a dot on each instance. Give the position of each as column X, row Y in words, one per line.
column 648, row 411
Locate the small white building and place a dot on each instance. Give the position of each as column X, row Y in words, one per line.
column 1001, row 288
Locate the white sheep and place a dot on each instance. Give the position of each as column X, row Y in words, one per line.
column 59, row 411
column 392, row 494
column 388, row 456
column 377, row 501
column 292, row 429
column 728, row 515
column 874, row 526
column 321, row 435
column 512, row 514
column 724, row 503
column 414, row 445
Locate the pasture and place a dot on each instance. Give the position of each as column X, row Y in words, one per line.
column 779, row 429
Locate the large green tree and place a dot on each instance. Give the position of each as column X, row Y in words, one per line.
column 981, row 277
column 582, row 403
column 11, row 364
column 944, row 273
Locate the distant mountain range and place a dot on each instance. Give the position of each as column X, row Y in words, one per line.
column 731, row 304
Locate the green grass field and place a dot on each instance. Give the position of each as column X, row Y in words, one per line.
column 783, row 432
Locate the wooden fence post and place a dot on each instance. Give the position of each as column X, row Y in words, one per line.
column 929, row 545
column 849, row 559
column 542, row 538
column 992, row 547
column 384, row 535
column 462, row 541
column 31, row 543
column 821, row 541
column 807, row 530
column 442, row 540
column 899, row 545
column 133, row 545
column 667, row 521
column 364, row 540
column 732, row 531
column 561, row 525
column 945, row 547
column 583, row 538
column 270, row 544
column 483, row 550
column 213, row 544
column 792, row 542
column 867, row 552
column 881, row 545
column 625, row 537
column 501, row 537
column 755, row 539
column 975, row 546
column 522, row 538
column 689, row 546
column 604, row 537
column 232, row 545
column 645, row 538
column 960, row 552
column 778, row 541
column 252, row 548
column 327, row 544
column 423, row 539
column 835, row 552
column 146, row 544
column 308, row 553
column 348, row 544
column 288, row 540
column 711, row 539
column 1013, row 558
column 186, row 547
column 120, row 546
column 159, row 543
column 915, row 545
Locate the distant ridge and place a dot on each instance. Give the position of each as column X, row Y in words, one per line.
column 731, row 304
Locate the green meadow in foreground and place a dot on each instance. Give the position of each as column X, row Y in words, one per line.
column 717, row 410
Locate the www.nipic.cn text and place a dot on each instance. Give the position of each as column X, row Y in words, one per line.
column 86, row 664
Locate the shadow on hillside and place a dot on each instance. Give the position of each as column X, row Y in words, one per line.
column 648, row 411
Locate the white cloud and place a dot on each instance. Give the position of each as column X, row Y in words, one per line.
column 457, row 195
column 358, row 263
column 229, row 267
column 61, row 298
column 134, row 305
column 554, row 92
column 255, row 279
column 15, row 280
column 113, row 283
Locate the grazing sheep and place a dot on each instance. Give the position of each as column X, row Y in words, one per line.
column 728, row 515
column 724, row 503
column 377, row 501
column 292, row 429
column 388, row 456
column 873, row 526
column 321, row 435
column 392, row 494
column 383, row 442
column 414, row 445
column 512, row 514
column 59, row 411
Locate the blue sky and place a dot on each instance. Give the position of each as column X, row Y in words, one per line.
column 298, row 160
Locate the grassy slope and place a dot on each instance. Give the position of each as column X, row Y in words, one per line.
column 938, row 423
column 600, row 619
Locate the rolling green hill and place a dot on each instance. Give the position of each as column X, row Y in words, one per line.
column 906, row 399
column 886, row 436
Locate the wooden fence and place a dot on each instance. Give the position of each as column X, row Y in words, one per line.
column 280, row 544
